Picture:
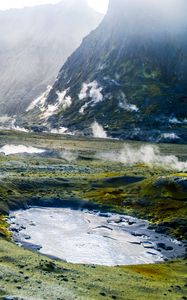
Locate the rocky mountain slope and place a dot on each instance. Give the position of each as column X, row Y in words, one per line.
column 35, row 42
column 129, row 77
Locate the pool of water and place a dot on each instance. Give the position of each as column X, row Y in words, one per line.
column 91, row 237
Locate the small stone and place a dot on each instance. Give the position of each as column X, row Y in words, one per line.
column 148, row 245
column 178, row 287
column 131, row 223
column 164, row 246
column 161, row 229
column 136, row 234
column 65, row 279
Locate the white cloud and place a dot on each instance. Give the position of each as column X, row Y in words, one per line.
column 6, row 4
column 99, row 5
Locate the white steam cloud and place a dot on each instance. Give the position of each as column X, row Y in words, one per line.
column 93, row 91
column 5, row 118
column 62, row 130
column 127, row 106
column 146, row 154
column 174, row 121
column 170, row 136
column 40, row 101
column 63, row 102
column 69, row 156
column 98, row 131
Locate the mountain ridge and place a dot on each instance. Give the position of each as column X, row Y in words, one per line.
column 129, row 75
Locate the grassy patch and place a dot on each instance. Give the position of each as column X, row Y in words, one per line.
column 30, row 275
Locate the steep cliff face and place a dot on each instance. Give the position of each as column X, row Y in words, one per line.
column 129, row 75
column 34, row 44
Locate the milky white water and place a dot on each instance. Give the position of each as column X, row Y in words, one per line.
column 86, row 237
column 15, row 149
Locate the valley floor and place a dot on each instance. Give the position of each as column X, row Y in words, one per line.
column 72, row 170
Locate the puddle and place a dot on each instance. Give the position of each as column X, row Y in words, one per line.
column 15, row 149
column 91, row 237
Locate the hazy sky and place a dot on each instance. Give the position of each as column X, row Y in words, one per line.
column 98, row 5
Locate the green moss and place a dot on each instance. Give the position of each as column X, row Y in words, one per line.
column 29, row 275
column 159, row 199
column 151, row 74
column 152, row 90
column 4, row 232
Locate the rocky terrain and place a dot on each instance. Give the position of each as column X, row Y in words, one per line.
column 128, row 75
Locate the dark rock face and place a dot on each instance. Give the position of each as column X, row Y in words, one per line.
column 35, row 42
column 130, row 74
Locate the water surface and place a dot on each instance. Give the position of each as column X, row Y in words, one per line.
column 91, row 237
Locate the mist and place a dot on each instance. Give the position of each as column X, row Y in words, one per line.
column 69, row 156
column 98, row 131
column 146, row 18
column 35, row 43
column 146, row 154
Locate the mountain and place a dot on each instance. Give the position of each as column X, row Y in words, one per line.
column 35, row 42
column 128, row 79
